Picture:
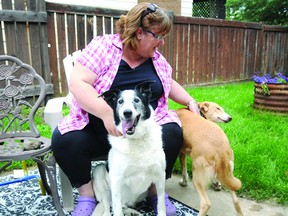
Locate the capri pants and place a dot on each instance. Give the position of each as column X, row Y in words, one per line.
column 73, row 150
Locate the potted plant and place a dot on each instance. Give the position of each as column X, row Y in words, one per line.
column 271, row 93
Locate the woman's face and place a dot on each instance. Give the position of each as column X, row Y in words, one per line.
column 149, row 42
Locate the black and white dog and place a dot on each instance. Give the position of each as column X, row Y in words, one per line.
column 136, row 159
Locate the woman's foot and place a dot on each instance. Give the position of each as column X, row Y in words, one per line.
column 170, row 208
column 85, row 206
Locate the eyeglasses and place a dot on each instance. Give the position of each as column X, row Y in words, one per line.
column 158, row 37
column 150, row 9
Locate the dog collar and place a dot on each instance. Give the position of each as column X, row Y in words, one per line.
column 201, row 113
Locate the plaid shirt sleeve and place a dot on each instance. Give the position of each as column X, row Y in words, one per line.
column 102, row 56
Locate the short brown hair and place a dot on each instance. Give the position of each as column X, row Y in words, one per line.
column 128, row 24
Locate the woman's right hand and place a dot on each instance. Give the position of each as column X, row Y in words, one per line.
column 109, row 124
column 81, row 86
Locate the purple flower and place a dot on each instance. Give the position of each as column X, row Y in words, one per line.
column 267, row 78
column 282, row 76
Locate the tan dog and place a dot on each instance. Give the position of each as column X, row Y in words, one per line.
column 215, row 113
column 208, row 146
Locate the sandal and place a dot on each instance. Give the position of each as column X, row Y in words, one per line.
column 85, row 206
column 170, row 208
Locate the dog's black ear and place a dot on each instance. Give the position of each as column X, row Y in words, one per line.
column 110, row 96
column 145, row 88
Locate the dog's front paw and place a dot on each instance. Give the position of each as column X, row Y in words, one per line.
column 101, row 211
column 184, row 179
column 131, row 212
column 162, row 213
column 183, row 183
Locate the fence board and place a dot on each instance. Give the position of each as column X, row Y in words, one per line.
column 71, row 34
column 35, row 61
column 100, row 25
column 81, row 31
column 89, row 27
column 190, row 65
column 10, row 36
column 177, row 49
column 6, row 5
column 23, row 43
column 107, row 23
column 209, row 52
column 204, row 66
column 19, row 5
column 45, row 63
column 196, row 54
column 32, row 5
column 182, row 44
column 233, row 61
column 2, row 51
column 219, row 54
column 212, row 48
column 53, row 54
column 62, row 46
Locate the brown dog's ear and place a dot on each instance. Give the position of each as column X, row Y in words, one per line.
column 204, row 107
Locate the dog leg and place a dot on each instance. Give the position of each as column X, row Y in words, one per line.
column 131, row 212
column 116, row 194
column 202, row 177
column 100, row 182
column 205, row 203
column 183, row 162
column 160, row 188
column 236, row 203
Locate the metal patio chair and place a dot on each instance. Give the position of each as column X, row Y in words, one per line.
column 22, row 91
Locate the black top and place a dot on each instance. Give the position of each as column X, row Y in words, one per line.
column 128, row 78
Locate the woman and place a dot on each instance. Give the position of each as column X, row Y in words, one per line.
column 118, row 61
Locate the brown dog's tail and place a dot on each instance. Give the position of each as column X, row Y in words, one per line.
column 226, row 177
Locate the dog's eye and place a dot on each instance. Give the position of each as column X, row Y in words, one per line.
column 136, row 100
column 120, row 101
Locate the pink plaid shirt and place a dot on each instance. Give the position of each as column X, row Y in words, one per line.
column 102, row 56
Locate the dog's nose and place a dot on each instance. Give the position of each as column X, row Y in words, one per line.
column 127, row 113
column 228, row 119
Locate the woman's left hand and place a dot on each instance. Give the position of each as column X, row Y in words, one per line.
column 193, row 107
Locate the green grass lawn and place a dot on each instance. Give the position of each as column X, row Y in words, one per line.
column 259, row 140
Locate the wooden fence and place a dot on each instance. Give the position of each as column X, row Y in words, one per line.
column 200, row 50
column 212, row 50
column 24, row 34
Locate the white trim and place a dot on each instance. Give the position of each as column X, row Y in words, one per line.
column 186, row 8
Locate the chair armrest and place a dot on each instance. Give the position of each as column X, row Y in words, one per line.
column 53, row 112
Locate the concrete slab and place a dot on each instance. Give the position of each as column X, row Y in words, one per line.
column 221, row 201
